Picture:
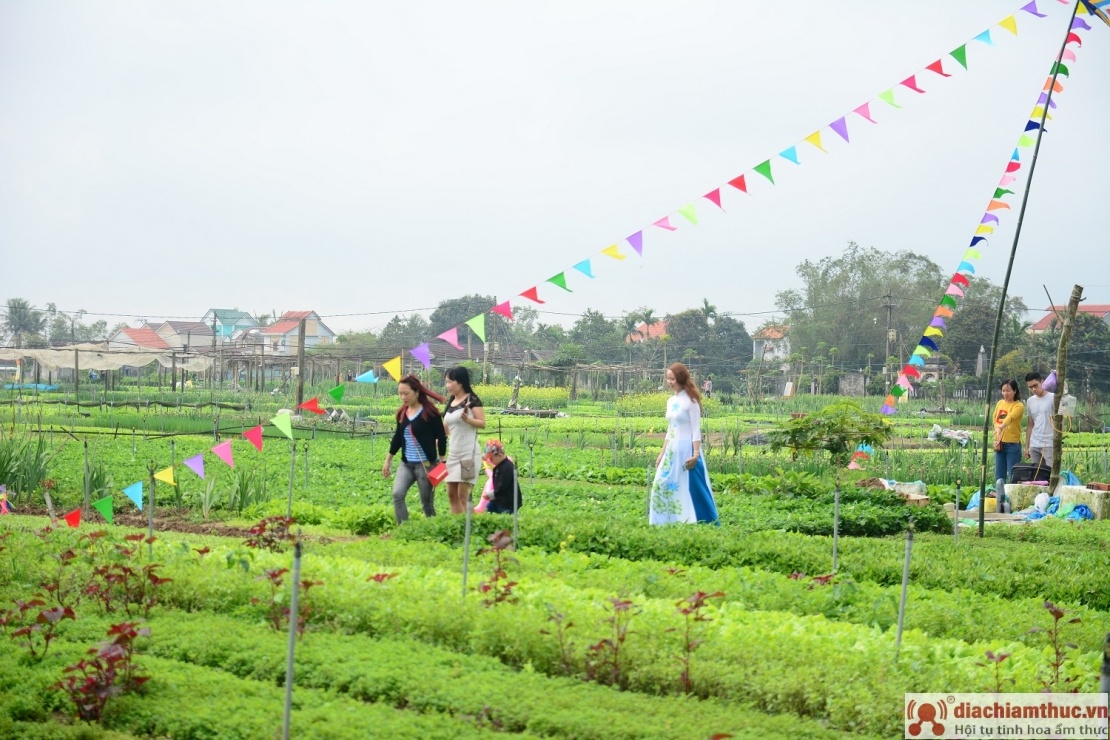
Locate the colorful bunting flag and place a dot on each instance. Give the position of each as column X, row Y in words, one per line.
column 104, row 506
column 973, row 254
column 687, row 212
column 254, row 436
column 166, row 476
column 369, row 377
column 938, row 68
column 897, row 391
column 985, row 230
column 911, row 83
column 196, row 464
column 966, row 266
column 636, row 241
column 790, row 153
column 337, row 392
column 612, row 251
column 840, row 126
column 503, row 309
column 985, row 37
column 933, row 331
column 944, row 311
column 938, row 322
column 917, row 360
column 284, row 422
column 815, row 139
column 929, row 344
column 135, row 491
column 665, row 223
column 996, row 205
column 533, row 296
column 584, row 268
column 393, row 367
column 713, row 196
column 451, row 336
column 764, row 168
column 887, row 96
column 961, row 280
column 422, row 353
column 73, row 518
column 886, row 409
column 999, row 192
column 1010, row 24
column 739, row 183
column 960, row 55
column 222, row 451
column 477, row 325
column 1026, row 141
column 989, row 218
column 1032, row 8
column 911, row 372
column 954, row 290
column 313, row 404
column 560, row 280
column 865, row 111
column 948, row 302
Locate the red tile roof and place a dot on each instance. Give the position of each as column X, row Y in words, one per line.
column 1098, row 309
column 655, row 331
column 145, row 337
column 770, row 332
column 281, row 327
column 295, row 315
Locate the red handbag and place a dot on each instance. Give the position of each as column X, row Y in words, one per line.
column 437, row 473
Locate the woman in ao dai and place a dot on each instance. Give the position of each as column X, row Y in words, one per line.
column 681, row 492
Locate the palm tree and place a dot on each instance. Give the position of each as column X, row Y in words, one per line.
column 647, row 315
column 708, row 310
column 22, row 321
column 630, row 326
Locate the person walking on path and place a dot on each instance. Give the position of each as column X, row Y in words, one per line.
column 421, row 439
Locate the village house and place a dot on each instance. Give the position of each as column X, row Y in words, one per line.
column 185, row 334
column 1052, row 313
column 771, row 343
column 228, row 321
column 281, row 336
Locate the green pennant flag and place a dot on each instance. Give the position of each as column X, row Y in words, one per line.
column 690, row 214
column 1026, row 141
column 764, row 168
column 478, row 326
column 888, row 98
column 960, row 55
column 337, row 392
column 104, row 506
column 999, row 192
column 561, row 281
column 897, row 391
column 284, row 422
column 1059, row 69
column 948, row 301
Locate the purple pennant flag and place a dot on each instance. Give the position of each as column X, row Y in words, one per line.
column 636, row 241
column 887, row 410
column 196, row 464
column 1032, row 8
column 1044, row 99
column 989, row 218
column 422, row 354
column 1080, row 23
column 938, row 322
column 840, row 126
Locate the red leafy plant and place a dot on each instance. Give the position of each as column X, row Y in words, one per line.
column 381, row 577
column 121, row 583
column 277, row 614
column 110, row 672
column 692, row 609
column 498, row 589
column 562, row 624
column 272, row 533
column 32, row 626
column 996, row 660
column 603, row 658
column 1055, row 681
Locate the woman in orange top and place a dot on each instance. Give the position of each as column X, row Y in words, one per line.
column 1007, row 430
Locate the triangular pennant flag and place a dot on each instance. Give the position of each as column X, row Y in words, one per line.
column 369, row 376
column 665, row 223
column 972, row 254
column 989, row 218
column 960, row 55
column 1016, row 156
column 1073, row 38
column 911, row 372
column 254, row 436
column 1026, row 141
column 911, row 83
column 1080, row 23
column 560, row 280
column 840, row 126
column 104, row 506
column 1032, row 8
column 998, row 205
column 284, row 422
column 985, row 37
column 1044, row 99
column 422, row 353
column 815, row 139
column 713, row 196
column 477, row 325
column 764, row 168
column 985, row 230
column 886, row 410
column 790, row 153
column 999, row 192
column 135, row 490
column 313, row 404
column 938, row 322
column 1057, row 87
column 222, row 451
column 853, row 465
column 949, row 302
column 739, row 183
column 966, row 266
column 929, row 344
column 1031, row 126
column 688, row 213
column 943, row 311
column 337, row 392
column 1013, row 166
column 73, row 518
column 1010, row 24
column 897, row 391
column 636, row 241
column 865, row 111
column 1068, row 56
column 959, row 279
column 889, row 400
column 610, row 251
column 1006, row 180
column 503, row 309
column 938, row 68
column 166, row 476
column 954, row 290
column 933, row 331
column 975, row 240
column 196, row 464
column 584, row 268
column 887, row 96
column 393, row 367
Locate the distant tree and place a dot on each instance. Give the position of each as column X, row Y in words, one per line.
column 22, row 322
column 457, row 311
column 403, row 332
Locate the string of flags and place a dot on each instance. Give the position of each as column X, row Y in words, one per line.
column 997, row 207
column 761, row 175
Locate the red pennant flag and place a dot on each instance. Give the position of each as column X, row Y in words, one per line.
column 1013, row 166
column 911, row 83
column 504, row 309
column 714, row 196
column 531, row 295
column 73, row 518
column 255, row 436
column 911, row 372
column 313, row 405
column 961, row 279
column 1073, row 37
column 739, row 184
column 936, row 67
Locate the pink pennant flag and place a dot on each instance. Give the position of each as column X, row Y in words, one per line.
column 840, row 126
column 1067, row 56
column 223, row 451
column 1006, row 180
column 531, row 295
column 853, row 465
column 423, row 354
column 865, row 111
column 196, row 464
column 665, row 223
column 905, row 382
column 714, row 197
column 255, row 436
column 451, row 336
column 954, row 290
column 504, row 309
column 938, row 68
column 636, row 241
column 911, row 83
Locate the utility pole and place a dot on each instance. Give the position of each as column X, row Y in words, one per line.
column 888, row 303
column 300, row 363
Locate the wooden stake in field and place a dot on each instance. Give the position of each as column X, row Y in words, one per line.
column 905, row 589
column 293, row 622
column 1061, row 376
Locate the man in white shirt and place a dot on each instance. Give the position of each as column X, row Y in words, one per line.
column 1039, row 433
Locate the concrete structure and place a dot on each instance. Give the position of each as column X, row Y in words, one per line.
column 281, row 336
column 771, row 343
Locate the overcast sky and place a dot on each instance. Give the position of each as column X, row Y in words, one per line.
column 364, row 158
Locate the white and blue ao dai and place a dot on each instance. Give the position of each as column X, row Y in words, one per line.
column 679, row 495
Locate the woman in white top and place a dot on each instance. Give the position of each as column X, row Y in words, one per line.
column 681, row 491
column 462, row 417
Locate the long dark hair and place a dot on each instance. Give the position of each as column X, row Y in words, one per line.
column 684, row 381
column 424, row 395
column 1013, row 384
column 461, row 376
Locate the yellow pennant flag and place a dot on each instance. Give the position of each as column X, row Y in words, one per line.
column 284, row 422
column 815, row 139
column 614, row 252
column 984, row 229
column 166, row 476
column 933, row 331
column 393, row 367
column 1038, row 112
column 1010, row 24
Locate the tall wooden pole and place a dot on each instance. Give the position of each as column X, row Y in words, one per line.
column 300, row 363
column 1061, row 376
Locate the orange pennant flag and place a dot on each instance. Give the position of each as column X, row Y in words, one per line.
column 997, row 205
